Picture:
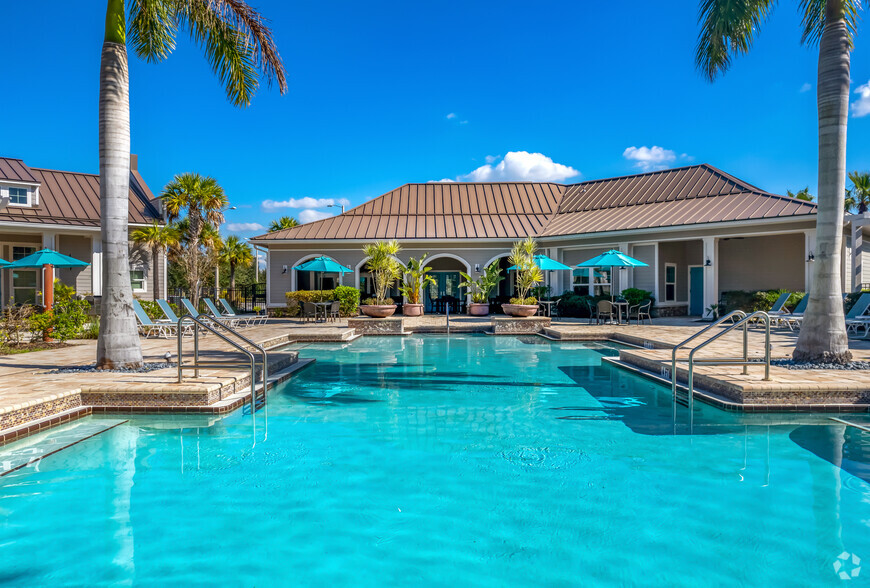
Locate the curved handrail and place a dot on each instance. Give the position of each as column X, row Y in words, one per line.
column 197, row 321
column 249, row 342
column 742, row 322
column 679, row 346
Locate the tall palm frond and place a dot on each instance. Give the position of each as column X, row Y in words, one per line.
column 285, row 222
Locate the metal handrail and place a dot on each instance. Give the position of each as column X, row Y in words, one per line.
column 745, row 362
column 729, row 316
column 198, row 364
column 447, row 311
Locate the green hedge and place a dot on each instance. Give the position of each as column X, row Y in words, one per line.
column 572, row 304
column 759, row 300
column 348, row 296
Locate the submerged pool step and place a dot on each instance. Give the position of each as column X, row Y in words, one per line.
column 31, row 450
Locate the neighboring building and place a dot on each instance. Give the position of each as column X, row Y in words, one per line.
column 701, row 230
column 42, row 208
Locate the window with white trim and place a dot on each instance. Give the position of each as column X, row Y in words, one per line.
column 19, row 196
column 24, row 281
column 670, row 282
column 592, row 281
column 137, row 280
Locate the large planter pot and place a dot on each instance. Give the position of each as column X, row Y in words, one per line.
column 378, row 310
column 412, row 309
column 478, row 309
column 519, row 309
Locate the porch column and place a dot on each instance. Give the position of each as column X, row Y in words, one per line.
column 711, row 273
column 555, row 277
column 49, row 240
column 857, row 242
column 97, row 265
column 626, row 276
column 809, row 250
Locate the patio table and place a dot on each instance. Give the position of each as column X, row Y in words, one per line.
column 321, row 308
column 619, row 308
column 548, row 304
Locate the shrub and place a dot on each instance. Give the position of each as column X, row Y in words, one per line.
column 91, row 330
column 373, row 301
column 752, row 301
column 14, row 323
column 64, row 322
column 348, row 296
column 635, row 296
column 527, row 300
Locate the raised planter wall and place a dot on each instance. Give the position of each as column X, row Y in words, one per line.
column 377, row 326
column 513, row 325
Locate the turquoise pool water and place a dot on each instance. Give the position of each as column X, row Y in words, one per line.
column 469, row 460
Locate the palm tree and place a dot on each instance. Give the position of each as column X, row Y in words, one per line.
column 859, row 194
column 158, row 238
column 727, row 29
column 802, row 194
column 239, row 48
column 235, row 252
column 204, row 202
column 285, row 222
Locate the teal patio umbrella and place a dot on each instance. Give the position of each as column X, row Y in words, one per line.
column 47, row 259
column 322, row 265
column 547, row 264
column 4, row 263
column 611, row 259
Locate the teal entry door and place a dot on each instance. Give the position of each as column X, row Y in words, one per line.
column 696, row 291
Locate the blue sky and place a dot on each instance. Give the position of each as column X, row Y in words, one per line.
column 392, row 92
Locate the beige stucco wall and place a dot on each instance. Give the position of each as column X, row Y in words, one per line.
column 762, row 263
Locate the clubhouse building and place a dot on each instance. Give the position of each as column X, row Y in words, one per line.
column 700, row 230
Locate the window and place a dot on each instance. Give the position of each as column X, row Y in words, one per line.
column 670, row 282
column 19, row 196
column 23, row 280
column 593, row 281
column 137, row 280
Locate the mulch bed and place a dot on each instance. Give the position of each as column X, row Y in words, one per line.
column 28, row 347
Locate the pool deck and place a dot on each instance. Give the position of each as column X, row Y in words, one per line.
column 32, row 398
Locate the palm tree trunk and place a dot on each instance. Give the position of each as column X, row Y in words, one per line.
column 118, row 342
column 232, row 276
column 155, row 259
column 823, row 333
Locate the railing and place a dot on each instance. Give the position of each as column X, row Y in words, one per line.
column 205, row 322
column 744, row 361
column 447, row 312
column 728, row 317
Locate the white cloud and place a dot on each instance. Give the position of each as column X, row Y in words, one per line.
column 463, row 122
column 806, row 87
column 245, row 227
column 451, row 115
column 308, row 215
column 492, row 158
column 520, row 166
column 305, row 202
column 861, row 106
column 650, row 158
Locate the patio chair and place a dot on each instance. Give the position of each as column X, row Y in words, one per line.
column 334, row 311
column 556, row 310
column 640, row 312
column 215, row 313
column 252, row 319
column 593, row 312
column 172, row 317
column 309, row 312
column 605, row 309
column 856, row 317
column 797, row 315
column 148, row 327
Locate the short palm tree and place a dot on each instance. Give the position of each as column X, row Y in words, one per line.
column 859, row 195
column 239, row 48
column 285, row 222
column 158, row 238
column 802, row 194
column 528, row 274
column 202, row 201
column 728, row 28
column 235, row 252
column 384, row 266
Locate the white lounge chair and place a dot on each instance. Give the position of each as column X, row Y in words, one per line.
column 148, row 327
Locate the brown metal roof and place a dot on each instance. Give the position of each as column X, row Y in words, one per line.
column 440, row 211
column 15, row 170
column 70, row 198
column 682, row 196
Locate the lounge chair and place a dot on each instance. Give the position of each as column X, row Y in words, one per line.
column 252, row 319
column 856, row 317
column 192, row 311
column 148, row 327
column 778, row 307
column 172, row 317
column 797, row 315
column 215, row 313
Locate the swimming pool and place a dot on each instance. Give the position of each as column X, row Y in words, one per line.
column 445, row 461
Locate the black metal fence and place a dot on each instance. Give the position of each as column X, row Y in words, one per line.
column 243, row 298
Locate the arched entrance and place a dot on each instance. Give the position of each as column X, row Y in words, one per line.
column 312, row 280
column 445, row 272
column 505, row 290
column 367, row 286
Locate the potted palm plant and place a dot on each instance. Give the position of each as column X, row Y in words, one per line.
column 529, row 275
column 416, row 278
column 385, row 270
column 481, row 288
